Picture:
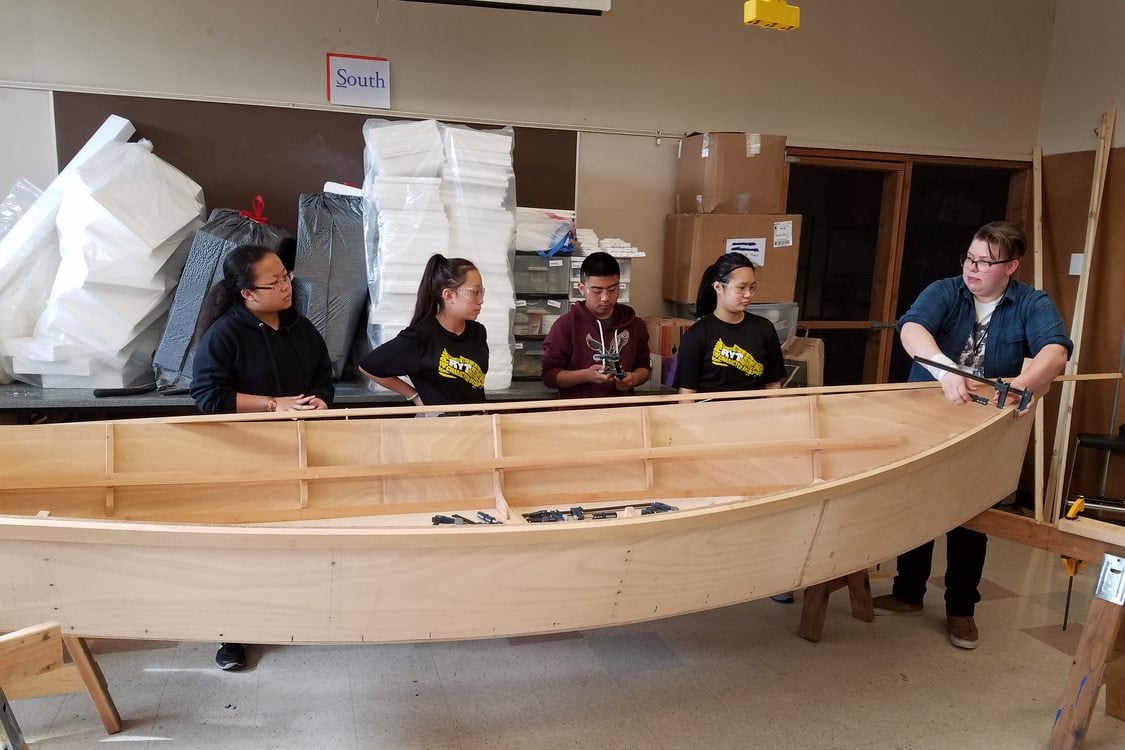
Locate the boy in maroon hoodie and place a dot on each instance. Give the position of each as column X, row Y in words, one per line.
column 597, row 326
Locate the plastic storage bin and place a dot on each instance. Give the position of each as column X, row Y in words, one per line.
column 525, row 359
column 534, row 317
column 536, row 275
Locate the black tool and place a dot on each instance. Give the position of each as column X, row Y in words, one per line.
column 485, row 518
column 462, row 519
column 578, row 513
column 611, row 364
column 1002, row 389
column 439, row 519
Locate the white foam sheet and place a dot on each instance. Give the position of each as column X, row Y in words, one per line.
column 123, row 226
column 29, row 252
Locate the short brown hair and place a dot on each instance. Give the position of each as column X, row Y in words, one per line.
column 1010, row 240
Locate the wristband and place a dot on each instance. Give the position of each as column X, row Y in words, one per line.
column 412, row 396
column 937, row 372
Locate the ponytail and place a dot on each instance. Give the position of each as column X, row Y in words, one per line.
column 441, row 273
column 706, row 299
column 238, row 274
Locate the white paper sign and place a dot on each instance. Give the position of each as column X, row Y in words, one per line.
column 358, row 81
column 753, row 248
column 783, row 234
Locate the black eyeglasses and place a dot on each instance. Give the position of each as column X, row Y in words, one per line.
column 966, row 262
column 278, row 285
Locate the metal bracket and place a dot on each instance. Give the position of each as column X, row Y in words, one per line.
column 1111, row 581
column 9, row 729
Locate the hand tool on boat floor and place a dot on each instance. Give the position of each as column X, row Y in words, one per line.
column 1003, row 390
column 578, row 513
column 1073, row 565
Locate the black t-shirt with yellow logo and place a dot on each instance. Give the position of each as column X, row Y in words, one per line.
column 719, row 356
column 445, row 367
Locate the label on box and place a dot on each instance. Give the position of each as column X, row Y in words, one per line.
column 783, row 234
column 753, row 144
column 555, row 263
column 518, row 345
column 706, row 145
column 753, row 248
column 521, row 303
column 554, row 303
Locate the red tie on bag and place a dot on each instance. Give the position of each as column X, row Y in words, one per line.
column 259, row 205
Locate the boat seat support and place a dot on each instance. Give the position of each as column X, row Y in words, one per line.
column 815, row 609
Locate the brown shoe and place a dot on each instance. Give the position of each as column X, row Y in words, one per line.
column 962, row 632
column 888, row 604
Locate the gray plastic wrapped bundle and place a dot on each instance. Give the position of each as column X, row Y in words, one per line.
column 330, row 284
column 225, row 230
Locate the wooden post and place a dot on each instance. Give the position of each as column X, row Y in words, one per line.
column 1096, row 649
column 1038, row 435
column 95, row 683
column 1055, row 486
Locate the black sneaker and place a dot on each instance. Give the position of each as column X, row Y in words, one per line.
column 786, row 598
column 230, row 656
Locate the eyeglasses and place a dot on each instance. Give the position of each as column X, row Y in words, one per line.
column 967, row 261
column 475, row 293
column 282, row 283
column 740, row 289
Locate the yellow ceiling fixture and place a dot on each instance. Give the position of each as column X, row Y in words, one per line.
column 771, row 14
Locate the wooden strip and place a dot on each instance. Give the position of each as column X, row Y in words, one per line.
column 1037, row 249
column 61, row 681
column 657, row 493
column 814, row 432
column 497, row 474
column 302, row 464
column 646, row 441
column 30, row 652
column 1056, row 485
column 445, row 468
column 95, row 683
column 110, row 468
column 1043, row 535
column 1080, row 696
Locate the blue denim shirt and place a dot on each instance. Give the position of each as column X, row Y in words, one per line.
column 1023, row 323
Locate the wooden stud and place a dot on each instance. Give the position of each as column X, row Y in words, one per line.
column 95, row 683
column 302, row 464
column 109, row 468
column 646, row 441
column 1056, row 485
column 1037, row 250
column 814, row 432
column 497, row 474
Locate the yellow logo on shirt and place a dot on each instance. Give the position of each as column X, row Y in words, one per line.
column 733, row 355
column 460, row 367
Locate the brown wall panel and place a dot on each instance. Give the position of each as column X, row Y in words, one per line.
column 1066, row 200
column 236, row 151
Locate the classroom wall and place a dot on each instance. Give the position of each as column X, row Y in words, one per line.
column 956, row 77
column 1085, row 72
column 27, row 138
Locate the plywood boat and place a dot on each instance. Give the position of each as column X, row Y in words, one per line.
column 317, row 530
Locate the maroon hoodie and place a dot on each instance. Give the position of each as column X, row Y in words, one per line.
column 574, row 340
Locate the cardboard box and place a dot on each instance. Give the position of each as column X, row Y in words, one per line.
column 731, row 173
column 693, row 241
column 664, row 342
column 807, row 356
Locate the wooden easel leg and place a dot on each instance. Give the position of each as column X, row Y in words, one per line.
column 8, row 726
column 815, row 609
column 95, row 683
column 813, row 612
column 1115, row 679
column 859, row 589
column 1097, row 647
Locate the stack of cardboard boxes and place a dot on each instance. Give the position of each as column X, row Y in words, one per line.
column 730, row 196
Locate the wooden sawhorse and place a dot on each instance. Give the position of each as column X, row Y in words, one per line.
column 1100, row 658
column 31, row 666
column 815, row 608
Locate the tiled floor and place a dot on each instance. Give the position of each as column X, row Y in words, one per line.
column 732, row 678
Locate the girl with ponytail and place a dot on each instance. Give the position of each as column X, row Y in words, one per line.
column 444, row 351
column 728, row 348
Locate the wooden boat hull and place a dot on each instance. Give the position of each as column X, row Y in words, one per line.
column 322, row 583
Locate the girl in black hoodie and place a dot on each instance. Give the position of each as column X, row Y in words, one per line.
column 256, row 353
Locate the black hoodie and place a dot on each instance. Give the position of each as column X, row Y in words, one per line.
column 241, row 354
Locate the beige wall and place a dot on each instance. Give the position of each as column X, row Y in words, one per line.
column 1086, row 71
column 27, row 138
column 625, row 189
column 956, row 77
